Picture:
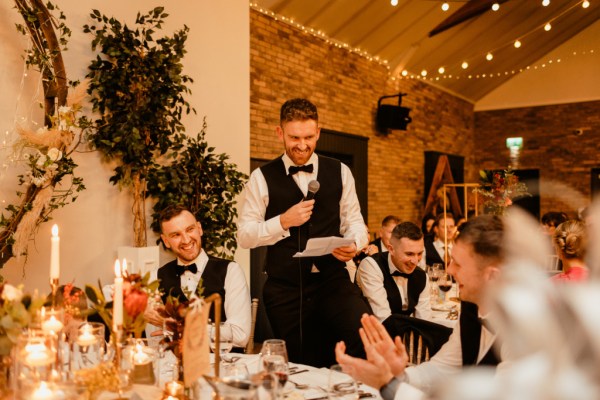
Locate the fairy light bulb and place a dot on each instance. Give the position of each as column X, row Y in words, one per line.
column 441, row 70
column 404, row 72
column 495, row 7
column 546, row 3
column 394, row 2
column 547, row 27
column 517, row 43
column 424, row 73
column 465, row 65
column 445, row 6
column 489, row 56
column 585, row 4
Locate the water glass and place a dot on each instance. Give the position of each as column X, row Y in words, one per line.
column 341, row 385
column 277, row 366
column 225, row 338
column 274, row 347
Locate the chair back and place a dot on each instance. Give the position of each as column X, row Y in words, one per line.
column 250, row 346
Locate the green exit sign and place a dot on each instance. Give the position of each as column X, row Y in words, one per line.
column 514, row 142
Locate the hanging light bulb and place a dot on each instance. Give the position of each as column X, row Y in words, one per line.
column 545, row 3
column 441, row 70
column 495, row 6
column 547, row 27
column 445, row 6
column 585, row 4
column 394, row 3
column 517, row 43
column 465, row 65
column 424, row 73
column 404, row 72
column 489, row 56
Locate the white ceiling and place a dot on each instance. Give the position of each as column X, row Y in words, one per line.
column 400, row 35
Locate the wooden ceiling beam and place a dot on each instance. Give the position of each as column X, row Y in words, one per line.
column 470, row 10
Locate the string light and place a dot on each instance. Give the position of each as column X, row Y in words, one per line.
column 547, row 27
column 404, row 72
column 394, row 2
column 424, row 73
column 545, row 3
column 489, row 56
column 465, row 65
column 495, row 7
column 517, row 43
column 585, row 4
column 441, row 70
column 445, row 6
column 321, row 35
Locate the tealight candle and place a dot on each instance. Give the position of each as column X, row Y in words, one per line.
column 37, row 355
column 42, row 392
column 140, row 357
column 86, row 338
column 174, row 388
column 52, row 325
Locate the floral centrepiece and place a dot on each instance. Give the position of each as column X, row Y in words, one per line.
column 499, row 188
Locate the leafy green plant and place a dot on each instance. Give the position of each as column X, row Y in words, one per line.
column 138, row 91
column 207, row 184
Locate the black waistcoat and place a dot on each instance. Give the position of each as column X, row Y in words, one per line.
column 431, row 254
column 415, row 285
column 325, row 220
column 213, row 281
column 470, row 337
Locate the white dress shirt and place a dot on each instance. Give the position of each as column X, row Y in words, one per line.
column 237, row 296
column 371, row 283
column 448, row 361
column 254, row 231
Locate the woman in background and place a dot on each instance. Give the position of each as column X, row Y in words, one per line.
column 570, row 241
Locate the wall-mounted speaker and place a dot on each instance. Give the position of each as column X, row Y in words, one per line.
column 391, row 116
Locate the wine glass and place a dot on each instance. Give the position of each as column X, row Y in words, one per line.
column 341, row 386
column 225, row 338
column 277, row 366
column 235, row 371
column 444, row 284
column 274, row 347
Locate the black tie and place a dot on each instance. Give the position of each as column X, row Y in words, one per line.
column 402, row 274
column 192, row 268
column 306, row 168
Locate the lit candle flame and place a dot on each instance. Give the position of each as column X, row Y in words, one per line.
column 55, row 230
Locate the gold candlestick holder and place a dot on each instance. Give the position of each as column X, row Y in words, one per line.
column 122, row 375
column 54, row 287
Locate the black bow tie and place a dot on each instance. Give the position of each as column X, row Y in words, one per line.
column 192, row 268
column 306, row 168
column 402, row 274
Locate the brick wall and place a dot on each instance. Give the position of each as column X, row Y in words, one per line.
column 286, row 62
column 563, row 159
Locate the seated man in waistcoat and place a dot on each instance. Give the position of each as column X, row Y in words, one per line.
column 310, row 301
column 391, row 280
column 476, row 264
column 181, row 233
column 435, row 244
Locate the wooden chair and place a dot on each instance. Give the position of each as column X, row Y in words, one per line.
column 250, row 346
column 416, row 349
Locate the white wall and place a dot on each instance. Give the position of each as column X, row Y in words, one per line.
column 575, row 79
column 94, row 226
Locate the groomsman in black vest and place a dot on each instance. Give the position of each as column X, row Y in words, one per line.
column 182, row 233
column 310, row 301
column 476, row 263
column 392, row 281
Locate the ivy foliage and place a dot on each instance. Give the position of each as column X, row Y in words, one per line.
column 207, row 184
column 138, row 90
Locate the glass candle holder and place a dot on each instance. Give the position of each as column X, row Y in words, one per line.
column 52, row 319
column 88, row 346
column 142, row 360
column 35, row 357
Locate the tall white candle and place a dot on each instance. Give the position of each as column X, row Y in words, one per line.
column 118, row 297
column 55, row 254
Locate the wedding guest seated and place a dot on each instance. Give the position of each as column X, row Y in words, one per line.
column 435, row 245
column 381, row 244
column 182, row 233
column 570, row 241
column 427, row 224
column 391, row 281
column 476, row 265
column 551, row 220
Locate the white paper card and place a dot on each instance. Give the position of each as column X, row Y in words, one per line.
column 324, row 245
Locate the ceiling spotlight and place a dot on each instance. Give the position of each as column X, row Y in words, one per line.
column 441, row 70
column 465, row 65
column 404, row 72
column 394, row 2
column 445, row 6
column 545, row 3
column 585, row 4
column 489, row 56
column 495, row 6
column 547, row 27
column 517, row 44
column 424, row 73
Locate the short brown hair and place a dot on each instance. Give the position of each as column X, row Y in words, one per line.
column 390, row 219
column 485, row 233
column 298, row 110
column 169, row 212
column 407, row 230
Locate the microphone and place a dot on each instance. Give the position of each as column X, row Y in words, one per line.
column 313, row 188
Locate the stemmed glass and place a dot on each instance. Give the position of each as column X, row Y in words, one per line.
column 274, row 347
column 277, row 366
column 225, row 338
column 444, row 284
column 341, row 386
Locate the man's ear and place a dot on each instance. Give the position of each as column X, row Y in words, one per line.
column 492, row 272
column 279, row 132
column 165, row 242
column 200, row 228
